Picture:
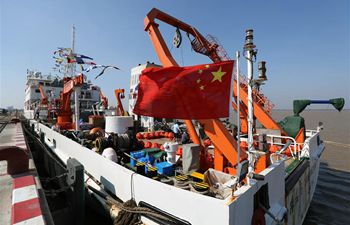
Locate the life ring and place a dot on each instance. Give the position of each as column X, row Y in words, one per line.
column 258, row 217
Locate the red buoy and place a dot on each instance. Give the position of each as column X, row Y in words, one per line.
column 148, row 144
column 139, row 136
column 170, row 135
column 273, row 148
column 155, row 145
column 151, row 135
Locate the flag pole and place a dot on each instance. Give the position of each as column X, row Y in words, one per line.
column 238, row 108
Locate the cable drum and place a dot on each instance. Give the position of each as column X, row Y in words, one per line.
column 123, row 141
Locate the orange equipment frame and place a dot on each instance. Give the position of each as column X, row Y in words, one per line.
column 104, row 99
column 64, row 115
column 119, row 93
column 43, row 95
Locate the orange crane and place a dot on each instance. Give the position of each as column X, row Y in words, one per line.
column 224, row 143
column 104, row 100
column 43, row 95
column 64, row 115
column 46, row 103
column 119, row 93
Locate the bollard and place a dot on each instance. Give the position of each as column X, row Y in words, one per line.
column 16, row 157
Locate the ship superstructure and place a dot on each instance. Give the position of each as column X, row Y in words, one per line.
column 147, row 122
column 52, row 86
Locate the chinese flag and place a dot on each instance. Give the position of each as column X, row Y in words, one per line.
column 193, row 92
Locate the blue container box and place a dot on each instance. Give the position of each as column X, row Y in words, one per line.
column 136, row 155
column 165, row 168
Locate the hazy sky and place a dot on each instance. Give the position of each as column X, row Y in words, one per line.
column 305, row 43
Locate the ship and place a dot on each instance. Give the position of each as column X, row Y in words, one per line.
column 132, row 169
column 40, row 87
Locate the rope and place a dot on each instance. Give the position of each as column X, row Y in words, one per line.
column 130, row 212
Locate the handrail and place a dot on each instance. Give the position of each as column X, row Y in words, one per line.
column 296, row 146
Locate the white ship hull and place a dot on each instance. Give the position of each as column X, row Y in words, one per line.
column 193, row 207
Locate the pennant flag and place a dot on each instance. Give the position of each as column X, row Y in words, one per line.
column 104, row 68
column 83, row 56
column 79, row 60
column 193, row 92
column 91, row 68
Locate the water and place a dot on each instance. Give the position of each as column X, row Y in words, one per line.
column 331, row 202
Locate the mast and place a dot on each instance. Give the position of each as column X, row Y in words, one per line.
column 249, row 47
column 238, row 109
column 76, row 89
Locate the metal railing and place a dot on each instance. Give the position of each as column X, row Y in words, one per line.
column 294, row 148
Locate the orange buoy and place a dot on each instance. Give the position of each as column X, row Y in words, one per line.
column 170, row 135
column 146, row 135
column 273, row 148
column 148, row 144
column 162, row 147
column 98, row 131
column 155, row 145
column 151, row 135
column 157, row 134
column 139, row 136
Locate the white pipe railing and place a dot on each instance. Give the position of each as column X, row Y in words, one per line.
column 295, row 145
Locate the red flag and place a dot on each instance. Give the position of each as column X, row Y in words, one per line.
column 193, row 92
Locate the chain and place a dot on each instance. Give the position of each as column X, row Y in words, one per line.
column 49, row 179
column 55, row 192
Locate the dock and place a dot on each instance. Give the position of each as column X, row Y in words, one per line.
column 22, row 200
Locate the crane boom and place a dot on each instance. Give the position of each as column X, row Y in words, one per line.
column 119, row 93
column 43, row 95
column 104, row 99
column 64, row 115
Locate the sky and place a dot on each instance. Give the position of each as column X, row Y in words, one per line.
column 305, row 43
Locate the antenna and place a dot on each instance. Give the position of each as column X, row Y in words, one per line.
column 73, row 65
column 73, row 38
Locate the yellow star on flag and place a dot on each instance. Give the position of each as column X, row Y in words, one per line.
column 198, row 81
column 206, row 66
column 218, row 75
column 201, row 87
column 200, row 71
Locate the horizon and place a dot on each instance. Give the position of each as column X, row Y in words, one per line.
column 306, row 48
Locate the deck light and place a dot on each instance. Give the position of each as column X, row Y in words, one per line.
column 249, row 45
